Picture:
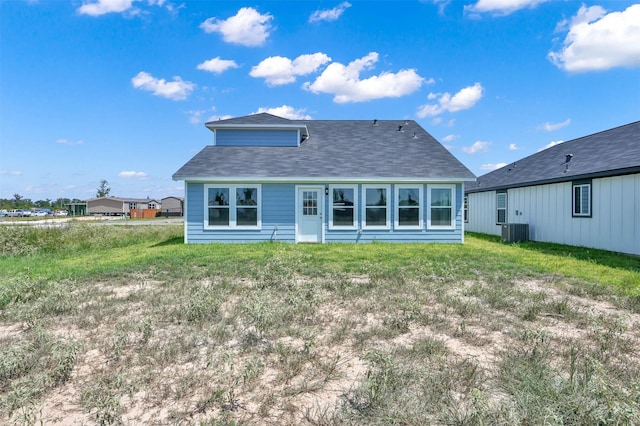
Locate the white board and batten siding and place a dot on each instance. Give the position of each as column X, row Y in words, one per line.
column 278, row 220
column 614, row 224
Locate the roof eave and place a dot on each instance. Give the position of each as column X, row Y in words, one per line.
column 320, row 179
column 593, row 175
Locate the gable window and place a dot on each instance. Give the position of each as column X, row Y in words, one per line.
column 232, row 206
column 409, row 207
column 376, row 206
column 466, row 208
column 441, row 203
column 343, row 212
column 582, row 199
column 501, row 208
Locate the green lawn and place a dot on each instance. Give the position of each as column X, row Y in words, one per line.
column 127, row 324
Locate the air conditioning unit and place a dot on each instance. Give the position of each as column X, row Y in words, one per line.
column 515, row 232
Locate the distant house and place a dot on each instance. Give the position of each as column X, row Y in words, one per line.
column 173, row 206
column 112, row 206
column 268, row 178
column 583, row 192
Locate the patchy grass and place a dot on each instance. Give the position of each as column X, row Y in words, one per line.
column 106, row 325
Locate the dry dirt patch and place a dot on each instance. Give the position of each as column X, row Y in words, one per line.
column 293, row 360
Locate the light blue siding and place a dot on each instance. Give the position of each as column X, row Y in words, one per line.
column 278, row 217
column 399, row 235
column 244, row 137
column 278, row 220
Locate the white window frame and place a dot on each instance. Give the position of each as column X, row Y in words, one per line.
column 387, row 207
column 355, row 207
column 233, row 206
column 574, row 200
column 505, row 208
column 429, row 207
column 398, row 206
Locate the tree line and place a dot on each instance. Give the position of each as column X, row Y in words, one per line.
column 20, row 202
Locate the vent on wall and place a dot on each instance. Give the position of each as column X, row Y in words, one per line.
column 515, row 232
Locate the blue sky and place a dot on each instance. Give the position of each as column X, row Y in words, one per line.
column 120, row 89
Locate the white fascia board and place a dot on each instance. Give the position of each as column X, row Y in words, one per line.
column 259, row 126
column 303, row 179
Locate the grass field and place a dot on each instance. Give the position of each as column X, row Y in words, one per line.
column 127, row 325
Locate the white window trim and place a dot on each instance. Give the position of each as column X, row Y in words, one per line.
column 233, row 206
column 573, row 196
column 452, row 188
column 397, row 206
column 355, row 207
column 364, row 206
column 505, row 208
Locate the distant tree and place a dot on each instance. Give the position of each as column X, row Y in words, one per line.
column 103, row 189
column 43, row 204
column 60, row 202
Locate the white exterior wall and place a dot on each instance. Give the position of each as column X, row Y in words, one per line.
column 482, row 213
column 614, row 225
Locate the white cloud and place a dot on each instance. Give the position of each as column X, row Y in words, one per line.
column 491, row 167
column 479, row 146
column 278, row 70
column 67, row 142
column 513, row 147
column 550, row 144
column 598, row 41
column 217, row 65
column 550, row 127
column 286, row 111
column 344, row 81
column 102, row 7
column 10, row 172
column 176, row 90
column 501, row 7
column 442, row 4
column 464, row 99
column 132, row 174
column 247, row 28
column 219, row 117
column 450, row 138
column 330, row 14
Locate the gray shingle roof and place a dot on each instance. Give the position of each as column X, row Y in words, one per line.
column 354, row 149
column 608, row 153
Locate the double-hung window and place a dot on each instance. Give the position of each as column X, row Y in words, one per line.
column 409, row 206
column 232, row 206
column 441, row 202
column 343, row 213
column 501, row 208
column 581, row 199
column 376, row 206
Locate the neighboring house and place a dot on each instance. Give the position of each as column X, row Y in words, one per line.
column 583, row 192
column 268, row 178
column 120, row 206
column 173, row 206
